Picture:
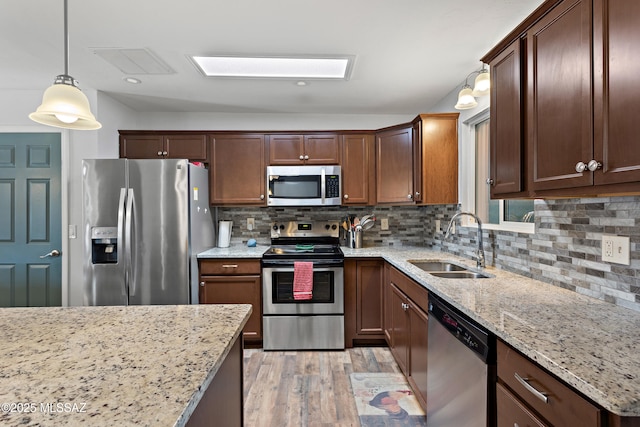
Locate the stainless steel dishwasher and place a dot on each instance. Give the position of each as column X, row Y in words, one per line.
column 460, row 369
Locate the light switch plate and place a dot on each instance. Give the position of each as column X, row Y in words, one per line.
column 72, row 231
column 384, row 223
column 615, row 249
column 438, row 229
column 251, row 224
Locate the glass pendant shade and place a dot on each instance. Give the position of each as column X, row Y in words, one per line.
column 482, row 84
column 466, row 99
column 65, row 106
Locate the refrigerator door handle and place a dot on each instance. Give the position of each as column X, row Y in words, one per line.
column 128, row 230
column 121, row 216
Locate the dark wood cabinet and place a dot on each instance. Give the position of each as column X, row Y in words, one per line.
column 529, row 385
column 394, row 166
column 307, row 149
column 169, row 145
column 435, row 153
column 616, row 59
column 512, row 412
column 358, row 169
column 234, row 281
column 579, row 107
column 364, row 281
column 559, row 106
column 406, row 328
column 508, row 164
column 237, row 170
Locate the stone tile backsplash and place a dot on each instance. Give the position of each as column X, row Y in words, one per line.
column 564, row 251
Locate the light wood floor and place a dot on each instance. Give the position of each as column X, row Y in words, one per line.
column 307, row 388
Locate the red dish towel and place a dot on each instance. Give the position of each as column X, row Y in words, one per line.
column 302, row 280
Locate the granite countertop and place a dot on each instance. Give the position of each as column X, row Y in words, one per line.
column 590, row 344
column 108, row 366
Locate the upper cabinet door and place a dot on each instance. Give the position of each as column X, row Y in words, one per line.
column 141, row 146
column 559, row 107
column 358, row 181
column 192, row 147
column 616, row 64
column 322, row 149
column 394, row 165
column 507, row 139
column 286, row 150
column 237, row 171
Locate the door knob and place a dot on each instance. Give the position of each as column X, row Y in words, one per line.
column 53, row 254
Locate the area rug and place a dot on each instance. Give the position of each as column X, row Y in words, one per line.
column 385, row 399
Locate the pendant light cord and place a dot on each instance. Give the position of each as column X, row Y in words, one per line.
column 66, row 40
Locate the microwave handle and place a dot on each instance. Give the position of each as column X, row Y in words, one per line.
column 323, row 185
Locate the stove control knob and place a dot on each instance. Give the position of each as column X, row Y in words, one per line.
column 333, row 227
column 326, row 226
column 275, row 227
column 281, row 226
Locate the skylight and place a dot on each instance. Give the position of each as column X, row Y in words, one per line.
column 274, row 67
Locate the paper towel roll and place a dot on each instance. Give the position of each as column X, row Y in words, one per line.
column 224, row 233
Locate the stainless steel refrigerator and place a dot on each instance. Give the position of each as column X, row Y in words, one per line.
column 144, row 223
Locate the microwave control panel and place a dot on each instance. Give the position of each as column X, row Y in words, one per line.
column 333, row 186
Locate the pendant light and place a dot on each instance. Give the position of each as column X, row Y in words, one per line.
column 63, row 104
column 467, row 96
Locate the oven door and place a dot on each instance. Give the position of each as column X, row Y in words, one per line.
column 328, row 291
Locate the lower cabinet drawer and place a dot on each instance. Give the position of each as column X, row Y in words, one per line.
column 554, row 401
column 229, row 266
column 512, row 412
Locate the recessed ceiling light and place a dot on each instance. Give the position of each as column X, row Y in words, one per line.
column 291, row 67
column 132, row 80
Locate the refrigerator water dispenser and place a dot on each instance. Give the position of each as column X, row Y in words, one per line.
column 104, row 245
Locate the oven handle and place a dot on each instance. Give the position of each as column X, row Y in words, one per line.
column 289, row 264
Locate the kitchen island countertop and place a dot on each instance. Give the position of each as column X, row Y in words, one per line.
column 108, row 366
column 591, row 344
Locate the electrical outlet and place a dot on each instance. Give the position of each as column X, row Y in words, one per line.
column 384, row 223
column 615, row 249
column 438, row 229
column 251, row 224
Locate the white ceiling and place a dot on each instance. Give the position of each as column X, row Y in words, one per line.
column 409, row 53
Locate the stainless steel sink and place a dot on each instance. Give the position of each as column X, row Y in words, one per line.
column 447, row 270
column 458, row 274
column 430, row 266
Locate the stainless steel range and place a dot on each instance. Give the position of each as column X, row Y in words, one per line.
column 316, row 323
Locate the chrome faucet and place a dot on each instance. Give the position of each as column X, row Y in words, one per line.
column 480, row 253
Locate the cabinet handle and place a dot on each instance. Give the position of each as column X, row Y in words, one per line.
column 301, row 157
column 306, row 157
column 201, row 283
column 159, row 153
column 490, row 181
column 417, row 194
column 409, row 196
column 405, row 306
column 262, row 197
column 346, row 196
column 594, row 165
column 525, row 383
column 229, row 265
column 164, row 153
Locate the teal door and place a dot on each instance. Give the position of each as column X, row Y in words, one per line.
column 30, row 220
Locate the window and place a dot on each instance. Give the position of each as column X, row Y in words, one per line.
column 509, row 215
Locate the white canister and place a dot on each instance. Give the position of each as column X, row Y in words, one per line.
column 224, row 233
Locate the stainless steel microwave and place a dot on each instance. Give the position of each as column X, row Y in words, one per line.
column 304, row 185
